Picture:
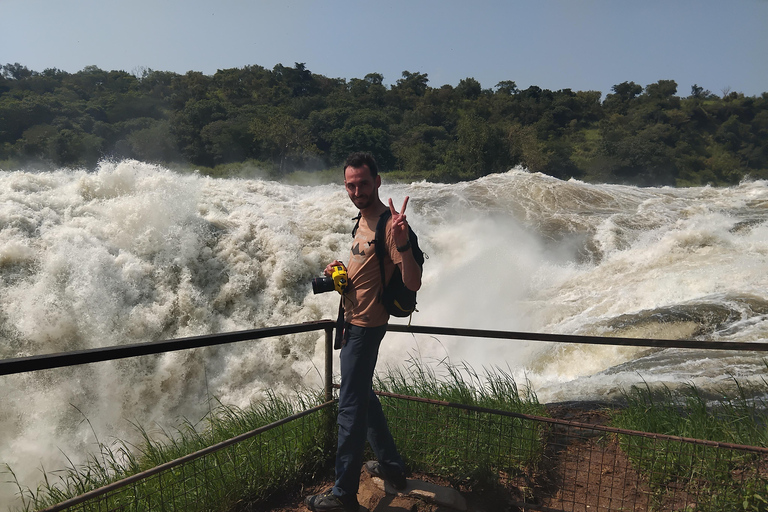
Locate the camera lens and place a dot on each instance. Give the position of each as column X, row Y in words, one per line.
column 322, row 285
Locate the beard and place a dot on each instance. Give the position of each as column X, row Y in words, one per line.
column 363, row 202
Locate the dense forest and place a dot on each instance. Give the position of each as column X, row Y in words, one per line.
column 288, row 118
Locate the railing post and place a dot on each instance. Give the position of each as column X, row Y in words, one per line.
column 329, row 439
column 328, row 364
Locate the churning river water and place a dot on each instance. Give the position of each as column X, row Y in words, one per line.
column 134, row 252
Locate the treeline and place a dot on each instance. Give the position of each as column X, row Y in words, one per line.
column 289, row 118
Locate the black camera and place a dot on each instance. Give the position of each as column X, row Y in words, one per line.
column 337, row 281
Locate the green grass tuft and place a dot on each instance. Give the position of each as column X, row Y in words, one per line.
column 470, row 448
column 244, row 472
column 724, row 475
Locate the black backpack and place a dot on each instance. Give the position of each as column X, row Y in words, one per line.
column 397, row 299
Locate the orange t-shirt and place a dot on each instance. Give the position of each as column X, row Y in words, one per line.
column 361, row 305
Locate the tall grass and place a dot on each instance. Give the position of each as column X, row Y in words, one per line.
column 472, row 447
column 228, row 479
column 469, row 447
column 689, row 413
column 732, row 479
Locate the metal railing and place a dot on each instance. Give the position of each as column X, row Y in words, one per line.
column 558, row 465
column 95, row 355
column 228, row 460
column 549, row 464
column 588, row 340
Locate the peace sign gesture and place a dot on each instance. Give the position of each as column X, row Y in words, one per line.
column 399, row 225
column 410, row 270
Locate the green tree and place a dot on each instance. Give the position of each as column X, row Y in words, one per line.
column 408, row 89
column 623, row 95
column 294, row 118
column 285, row 140
column 421, row 149
column 469, row 89
column 155, row 143
column 507, row 87
column 363, row 137
column 525, row 148
column 16, row 72
column 480, row 148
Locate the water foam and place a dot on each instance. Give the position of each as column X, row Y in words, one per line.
column 134, row 252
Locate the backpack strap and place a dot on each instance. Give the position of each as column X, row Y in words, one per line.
column 340, row 324
column 338, row 340
column 357, row 224
column 381, row 247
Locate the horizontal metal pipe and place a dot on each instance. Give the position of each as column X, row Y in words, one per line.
column 575, row 424
column 589, row 340
column 41, row 362
column 48, row 361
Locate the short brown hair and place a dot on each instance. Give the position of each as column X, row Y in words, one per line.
column 359, row 159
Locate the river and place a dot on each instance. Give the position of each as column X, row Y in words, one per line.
column 133, row 252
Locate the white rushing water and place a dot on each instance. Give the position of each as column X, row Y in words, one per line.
column 133, row 253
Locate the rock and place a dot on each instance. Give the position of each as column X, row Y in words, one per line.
column 433, row 493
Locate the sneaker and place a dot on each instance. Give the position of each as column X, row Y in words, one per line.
column 329, row 502
column 394, row 477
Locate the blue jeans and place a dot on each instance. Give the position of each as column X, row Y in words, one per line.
column 360, row 413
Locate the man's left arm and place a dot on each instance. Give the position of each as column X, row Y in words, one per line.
column 409, row 269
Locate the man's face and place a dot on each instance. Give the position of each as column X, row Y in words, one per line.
column 361, row 187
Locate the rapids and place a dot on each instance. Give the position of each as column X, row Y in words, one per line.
column 134, row 252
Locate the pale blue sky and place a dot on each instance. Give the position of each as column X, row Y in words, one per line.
column 555, row 44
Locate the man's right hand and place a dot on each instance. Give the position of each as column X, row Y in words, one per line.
column 329, row 269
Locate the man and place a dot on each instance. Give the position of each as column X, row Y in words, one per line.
column 360, row 414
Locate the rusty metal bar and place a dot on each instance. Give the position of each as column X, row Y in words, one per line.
column 568, row 423
column 328, row 364
column 48, row 361
column 589, row 340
